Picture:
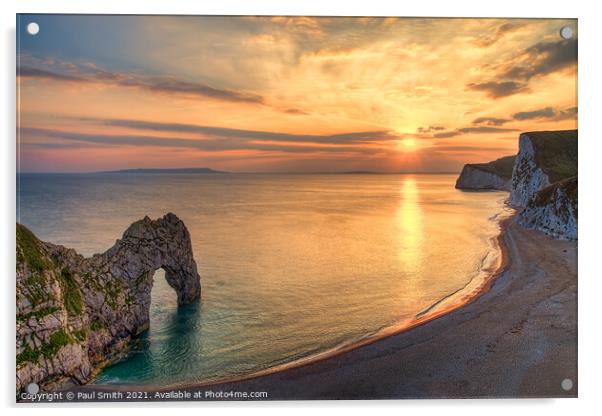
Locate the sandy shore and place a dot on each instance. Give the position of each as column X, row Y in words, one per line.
column 517, row 339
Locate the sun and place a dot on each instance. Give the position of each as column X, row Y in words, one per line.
column 408, row 144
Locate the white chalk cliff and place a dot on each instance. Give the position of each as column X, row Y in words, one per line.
column 527, row 176
column 544, row 182
column 495, row 175
column 553, row 210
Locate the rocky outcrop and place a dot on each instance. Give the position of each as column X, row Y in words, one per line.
column 76, row 314
column 544, row 182
column 541, row 178
column 544, row 157
column 553, row 210
column 496, row 175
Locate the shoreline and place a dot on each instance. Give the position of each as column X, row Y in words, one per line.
column 448, row 304
column 517, row 339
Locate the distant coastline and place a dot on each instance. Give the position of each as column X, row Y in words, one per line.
column 167, row 170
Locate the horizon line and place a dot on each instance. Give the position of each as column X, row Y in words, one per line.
column 167, row 170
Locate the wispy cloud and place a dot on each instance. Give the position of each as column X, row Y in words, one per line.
column 362, row 137
column 548, row 113
column 449, row 148
column 237, row 140
column 429, row 129
column 499, row 89
column 490, row 121
column 29, row 72
column 296, row 112
column 159, row 84
column 471, row 130
column 487, row 40
column 541, row 59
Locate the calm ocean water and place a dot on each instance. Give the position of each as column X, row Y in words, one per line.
column 291, row 265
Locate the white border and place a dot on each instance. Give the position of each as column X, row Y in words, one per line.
column 590, row 154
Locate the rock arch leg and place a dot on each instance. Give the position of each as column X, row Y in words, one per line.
column 97, row 304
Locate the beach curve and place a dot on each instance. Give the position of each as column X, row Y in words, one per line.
column 509, row 255
column 517, row 339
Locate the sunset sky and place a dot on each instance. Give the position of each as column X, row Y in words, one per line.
column 287, row 94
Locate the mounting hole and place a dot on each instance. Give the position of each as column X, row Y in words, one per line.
column 32, row 388
column 567, row 384
column 566, row 32
column 33, row 28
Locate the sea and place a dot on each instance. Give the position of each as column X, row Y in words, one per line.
column 291, row 265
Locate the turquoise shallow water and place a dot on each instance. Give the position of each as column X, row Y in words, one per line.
column 291, row 265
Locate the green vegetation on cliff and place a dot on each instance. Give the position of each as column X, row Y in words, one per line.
column 556, row 153
column 501, row 167
column 72, row 297
column 30, row 255
column 28, row 250
column 35, row 284
column 97, row 325
column 37, row 314
column 81, row 335
column 57, row 340
column 546, row 196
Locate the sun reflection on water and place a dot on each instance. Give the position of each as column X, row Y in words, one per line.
column 409, row 217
